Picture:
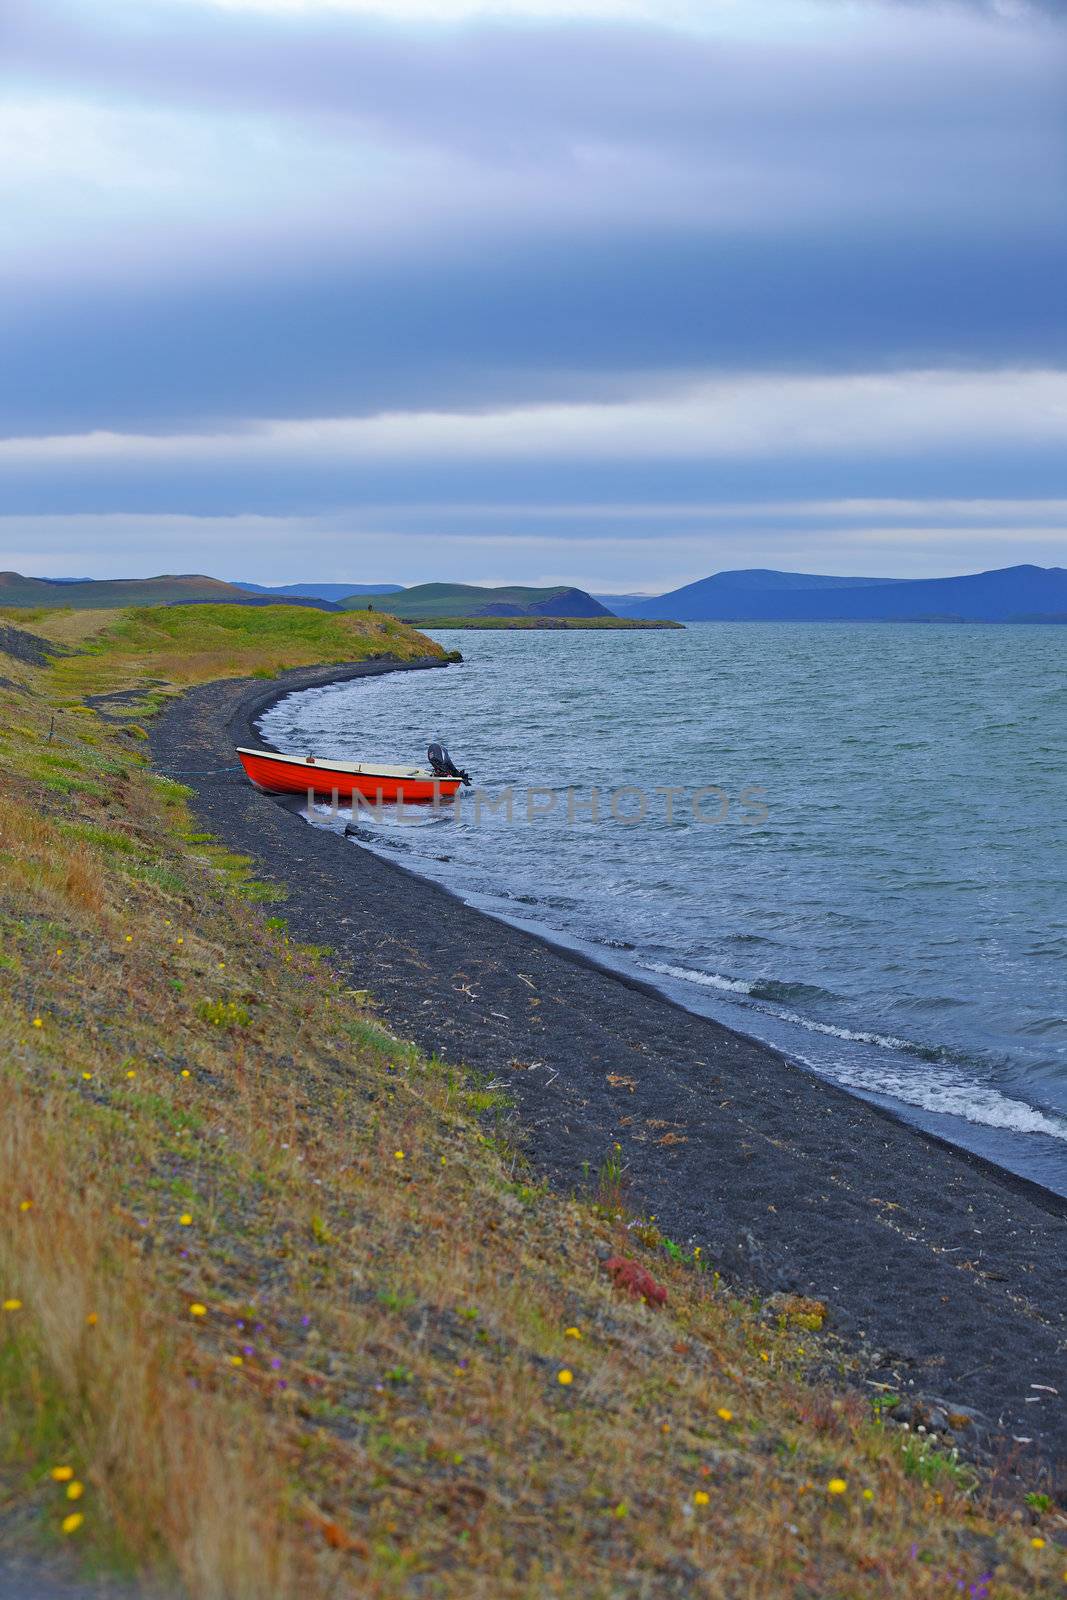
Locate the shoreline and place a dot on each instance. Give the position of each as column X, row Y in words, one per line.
column 938, row 1268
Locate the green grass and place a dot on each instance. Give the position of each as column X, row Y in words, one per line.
column 565, row 624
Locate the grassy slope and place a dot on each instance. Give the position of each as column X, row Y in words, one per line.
column 16, row 590
column 565, row 623
column 279, row 1292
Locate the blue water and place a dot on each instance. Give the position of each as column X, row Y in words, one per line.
column 898, row 923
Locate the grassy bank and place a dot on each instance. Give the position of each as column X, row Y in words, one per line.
column 281, row 1300
column 547, row 622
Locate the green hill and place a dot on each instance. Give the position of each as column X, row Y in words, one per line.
column 429, row 601
column 15, row 590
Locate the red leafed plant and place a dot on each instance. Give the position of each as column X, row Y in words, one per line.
column 630, row 1277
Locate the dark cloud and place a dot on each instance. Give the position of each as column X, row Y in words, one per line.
column 555, row 319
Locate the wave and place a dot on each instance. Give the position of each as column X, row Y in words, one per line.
column 939, row 1091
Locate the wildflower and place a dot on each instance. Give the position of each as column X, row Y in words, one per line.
column 725, row 1414
column 701, row 1497
column 197, row 1310
column 181, row 941
column 565, row 1376
column 59, row 952
column 398, row 1155
column 75, row 1490
column 131, row 1073
column 572, row 1333
column 664, row 1427
column 37, row 1022
column 1038, row 1543
column 868, row 1494
column 91, row 1319
column 621, row 1510
column 62, row 1474
column 185, row 1219
column 72, row 1523
column 129, row 938
column 764, row 1356
column 237, row 1361
column 24, row 1205
column 86, row 1076
column 185, row 1072
column 12, row 1305
column 836, row 1486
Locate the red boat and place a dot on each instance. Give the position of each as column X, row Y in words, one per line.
column 276, row 774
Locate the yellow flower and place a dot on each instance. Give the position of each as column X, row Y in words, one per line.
column 237, row 1361
column 398, row 1155
column 24, row 1205
column 59, row 952
column 197, row 1310
column 185, row 1072
column 573, row 1333
column 12, row 1305
column 764, row 1356
column 37, row 1022
column 185, row 1219
column 75, row 1490
column 726, row 1415
column 565, row 1376
column 72, row 1523
column 1038, row 1543
column 87, row 1076
column 836, row 1486
column 62, row 1474
column 701, row 1497
column 129, row 938
column 868, row 1494
column 181, row 941
column 131, row 1073
column 91, row 1319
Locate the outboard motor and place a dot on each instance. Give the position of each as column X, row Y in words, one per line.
column 442, row 765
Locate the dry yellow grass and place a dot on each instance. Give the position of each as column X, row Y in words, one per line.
column 284, row 1301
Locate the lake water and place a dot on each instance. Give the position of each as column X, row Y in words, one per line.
column 896, row 923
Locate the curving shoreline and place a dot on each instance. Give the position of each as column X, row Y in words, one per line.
column 940, row 1269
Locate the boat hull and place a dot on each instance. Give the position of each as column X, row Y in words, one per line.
column 291, row 775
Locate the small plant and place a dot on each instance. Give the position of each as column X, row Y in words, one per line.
column 1038, row 1502
column 224, row 1013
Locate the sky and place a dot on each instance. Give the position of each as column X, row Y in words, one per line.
column 609, row 292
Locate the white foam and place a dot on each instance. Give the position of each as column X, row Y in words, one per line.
column 928, row 1088
column 952, row 1097
column 709, row 980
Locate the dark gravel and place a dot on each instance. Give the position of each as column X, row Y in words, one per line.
column 945, row 1272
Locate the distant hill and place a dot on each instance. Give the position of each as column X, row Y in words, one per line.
column 321, row 591
column 1010, row 594
column 429, row 600
column 16, row 590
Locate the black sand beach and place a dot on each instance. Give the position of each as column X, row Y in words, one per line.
column 943, row 1272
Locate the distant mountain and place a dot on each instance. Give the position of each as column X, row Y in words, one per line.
column 1011, row 594
column 16, row 590
column 620, row 603
column 168, row 590
column 322, row 591
column 429, row 600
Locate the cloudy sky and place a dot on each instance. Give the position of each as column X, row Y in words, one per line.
column 612, row 292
